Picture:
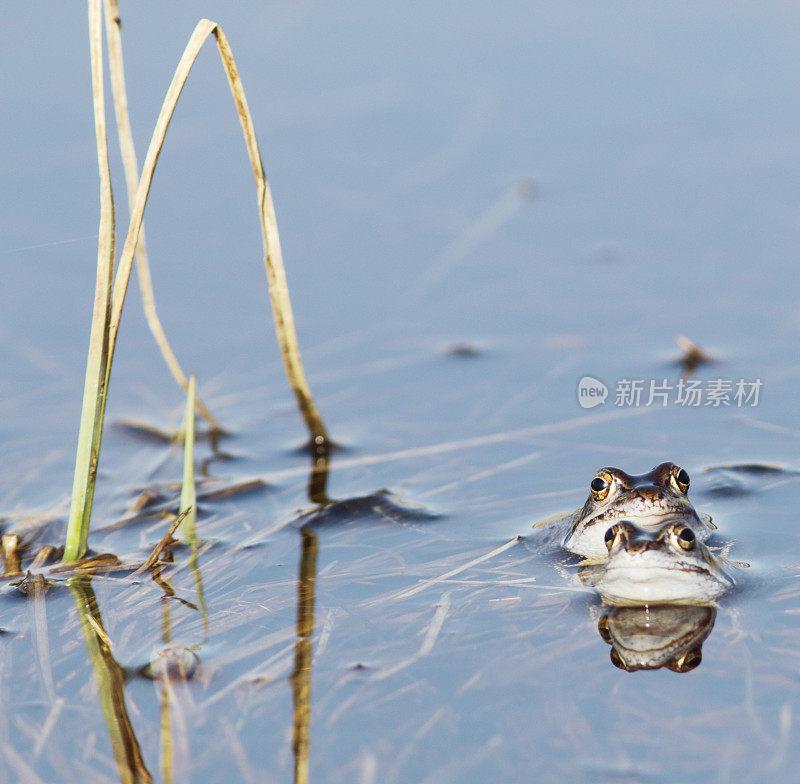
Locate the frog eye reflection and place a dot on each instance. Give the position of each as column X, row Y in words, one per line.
column 680, row 479
column 686, row 538
column 618, row 661
column 689, row 661
column 600, row 486
column 602, row 628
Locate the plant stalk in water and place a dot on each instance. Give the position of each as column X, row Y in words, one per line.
column 188, row 494
column 109, row 300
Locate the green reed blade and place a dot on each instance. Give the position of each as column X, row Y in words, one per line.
column 98, row 362
column 188, row 494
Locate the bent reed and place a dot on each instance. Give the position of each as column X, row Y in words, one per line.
column 111, row 288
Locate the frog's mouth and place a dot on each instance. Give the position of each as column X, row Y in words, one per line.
column 652, row 580
column 647, row 518
column 650, row 569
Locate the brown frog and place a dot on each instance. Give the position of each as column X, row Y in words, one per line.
column 649, row 500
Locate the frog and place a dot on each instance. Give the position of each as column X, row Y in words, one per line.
column 648, row 500
column 668, row 566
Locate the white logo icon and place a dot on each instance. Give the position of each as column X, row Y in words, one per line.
column 591, row 392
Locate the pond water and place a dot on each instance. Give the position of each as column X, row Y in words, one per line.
column 478, row 208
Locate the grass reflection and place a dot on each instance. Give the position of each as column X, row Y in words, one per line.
column 171, row 663
column 303, row 654
column 110, row 684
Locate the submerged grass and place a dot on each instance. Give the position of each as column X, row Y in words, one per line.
column 188, row 494
column 188, row 506
column 110, row 289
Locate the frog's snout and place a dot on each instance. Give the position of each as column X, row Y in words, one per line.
column 624, row 535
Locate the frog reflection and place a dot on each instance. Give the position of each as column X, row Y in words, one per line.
column 655, row 636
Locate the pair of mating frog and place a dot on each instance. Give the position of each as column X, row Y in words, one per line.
column 643, row 540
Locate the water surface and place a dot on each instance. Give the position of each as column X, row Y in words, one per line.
column 562, row 190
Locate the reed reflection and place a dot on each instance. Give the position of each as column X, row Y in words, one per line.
column 110, row 677
column 303, row 654
column 169, row 666
column 318, row 478
column 306, row 584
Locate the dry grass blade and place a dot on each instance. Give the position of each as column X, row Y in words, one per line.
column 432, row 631
column 11, row 554
column 423, row 584
column 188, row 506
column 166, row 540
column 276, row 276
column 128, row 153
column 99, row 360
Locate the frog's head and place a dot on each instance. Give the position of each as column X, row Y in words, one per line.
column 669, row 566
column 649, row 500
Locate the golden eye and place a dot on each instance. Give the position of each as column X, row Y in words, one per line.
column 600, row 486
column 680, row 479
column 618, row 534
column 685, row 538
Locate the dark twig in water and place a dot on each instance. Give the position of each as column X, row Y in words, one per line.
column 692, row 356
column 102, row 562
column 13, row 562
column 166, row 541
column 47, row 554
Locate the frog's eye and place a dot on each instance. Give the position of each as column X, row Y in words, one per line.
column 619, row 532
column 600, row 486
column 685, row 538
column 680, row 479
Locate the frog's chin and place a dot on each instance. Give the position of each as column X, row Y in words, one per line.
column 652, row 584
column 587, row 548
